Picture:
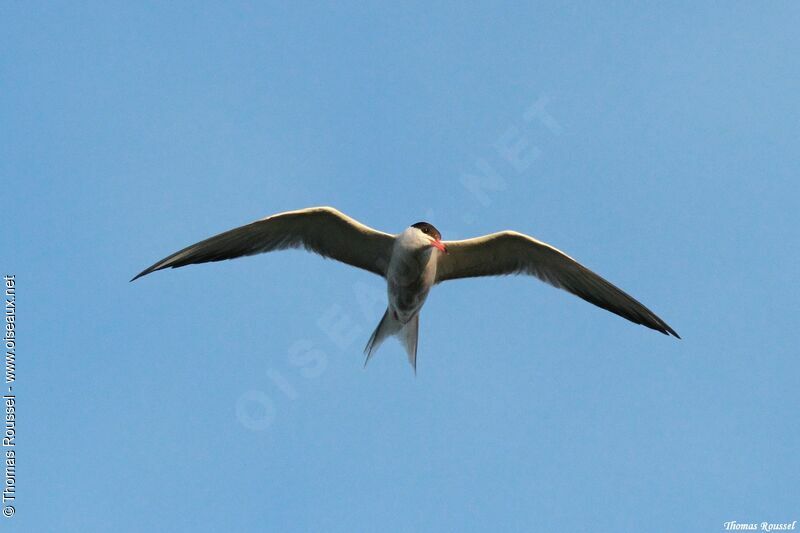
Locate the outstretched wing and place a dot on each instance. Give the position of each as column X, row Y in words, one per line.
column 509, row 252
column 322, row 230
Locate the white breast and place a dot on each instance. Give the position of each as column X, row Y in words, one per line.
column 411, row 273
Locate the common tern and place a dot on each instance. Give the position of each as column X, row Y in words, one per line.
column 412, row 262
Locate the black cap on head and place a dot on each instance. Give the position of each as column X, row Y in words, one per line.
column 428, row 229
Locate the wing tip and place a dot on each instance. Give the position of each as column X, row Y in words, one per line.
column 145, row 272
column 664, row 328
column 139, row 275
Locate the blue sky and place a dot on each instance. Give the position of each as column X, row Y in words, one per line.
column 231, row 396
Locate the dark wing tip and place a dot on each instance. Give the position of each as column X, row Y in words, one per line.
column 140, row 274
column 662, row 327
column 147, row 271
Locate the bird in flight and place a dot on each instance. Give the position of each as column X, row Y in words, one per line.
column 412, row 262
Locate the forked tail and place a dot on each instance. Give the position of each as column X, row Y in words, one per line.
column 407, row 333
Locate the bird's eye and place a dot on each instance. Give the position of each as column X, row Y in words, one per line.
column 424, row 230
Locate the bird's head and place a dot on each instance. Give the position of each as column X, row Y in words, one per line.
column 432, row 234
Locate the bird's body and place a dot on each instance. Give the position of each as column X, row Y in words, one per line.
column 412, row 262
column 411, row 274
column 409, row 278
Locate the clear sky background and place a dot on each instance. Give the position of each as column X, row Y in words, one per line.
column 659, row 146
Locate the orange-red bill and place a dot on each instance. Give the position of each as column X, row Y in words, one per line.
column 438, row 244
